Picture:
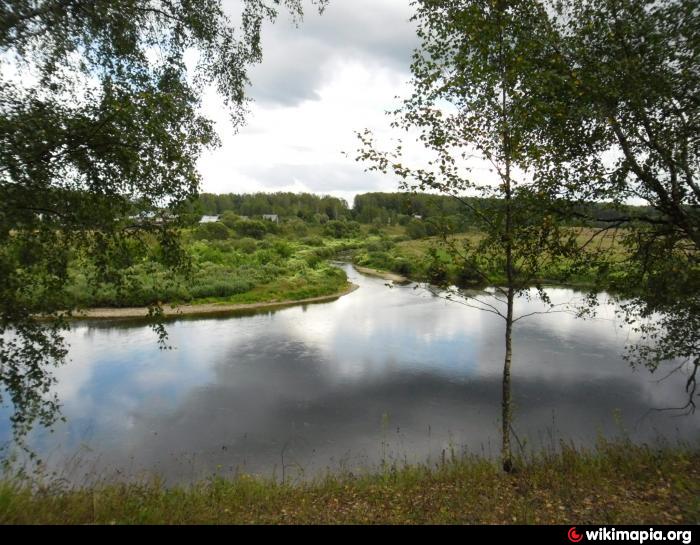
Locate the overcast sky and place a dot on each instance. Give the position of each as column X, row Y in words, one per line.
column 335, row 74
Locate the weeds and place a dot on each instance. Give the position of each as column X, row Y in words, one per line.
column 617, row 483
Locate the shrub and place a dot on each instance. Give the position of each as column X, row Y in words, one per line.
column 403, row 266
column 320, row 218
column 312, row 260
column 380, row 260
column 230, row 219
column 295, row 228
column 253, row 228
column 468, row 274
column 312, row 241
column 341, row 229
column 437, row 271
column 265, row 256
column 220, row 288
column 282, row 248
column 246, row 245
column 416, row 229
column 404, row 219
column 381, row 245
column 377, row 225
column 211, row 231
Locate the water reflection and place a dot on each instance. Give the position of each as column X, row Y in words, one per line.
column 378, row 374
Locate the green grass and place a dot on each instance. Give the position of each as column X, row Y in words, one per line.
column 282, row 263
column 615, row 484
column 233, row 270
column 325, row 280
column 410, row 257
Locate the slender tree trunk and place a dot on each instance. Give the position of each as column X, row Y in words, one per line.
column 506, row 405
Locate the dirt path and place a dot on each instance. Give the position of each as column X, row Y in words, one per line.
column 208, row 308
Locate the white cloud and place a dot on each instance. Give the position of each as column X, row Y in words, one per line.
column 301, row 147
column 318, row 85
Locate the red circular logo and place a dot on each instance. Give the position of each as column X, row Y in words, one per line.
column 574, row 536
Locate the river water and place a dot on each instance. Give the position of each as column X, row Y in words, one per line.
column 382, row 375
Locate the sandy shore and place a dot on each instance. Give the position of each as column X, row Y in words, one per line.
column 382, row 274
column 196, row 310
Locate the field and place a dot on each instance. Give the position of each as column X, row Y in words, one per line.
column 410, row 257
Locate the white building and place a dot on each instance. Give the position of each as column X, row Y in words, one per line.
column 209, row 219
column 271, row 217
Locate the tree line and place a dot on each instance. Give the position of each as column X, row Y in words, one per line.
column 306, row 206
column 385, row 208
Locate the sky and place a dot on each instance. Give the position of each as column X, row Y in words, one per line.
column 318, row 83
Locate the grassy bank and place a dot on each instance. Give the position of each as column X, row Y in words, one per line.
column 232, row 269
column 411, row 258
column 616, row 484
column 207, row 309
column 247, row 262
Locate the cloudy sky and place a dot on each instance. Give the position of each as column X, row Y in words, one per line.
column 335, row 74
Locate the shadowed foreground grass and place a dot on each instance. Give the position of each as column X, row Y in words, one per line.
column 616, row 484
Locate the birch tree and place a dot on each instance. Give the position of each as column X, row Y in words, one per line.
column 468, row 102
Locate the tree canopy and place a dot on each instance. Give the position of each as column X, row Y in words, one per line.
column 619, row 82
column 99, row 103
column 302, row 205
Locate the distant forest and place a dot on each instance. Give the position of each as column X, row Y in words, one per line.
column 373, row 208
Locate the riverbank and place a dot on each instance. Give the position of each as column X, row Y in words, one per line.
column 411, row 260
column 616, row 484
column 393, row 277
column 206, row 308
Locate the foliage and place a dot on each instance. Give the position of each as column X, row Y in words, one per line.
column 300, row 205
column 254, row 228
column 341, row 229
column 295, row 228
column 228, row 270
column 211, row 231
column 100, row 119
column 400, row 207
column 416, row 228
column 616, row 88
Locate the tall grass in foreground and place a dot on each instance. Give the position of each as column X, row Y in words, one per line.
column 616, row 483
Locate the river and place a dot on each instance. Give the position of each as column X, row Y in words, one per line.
column 380, row 376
